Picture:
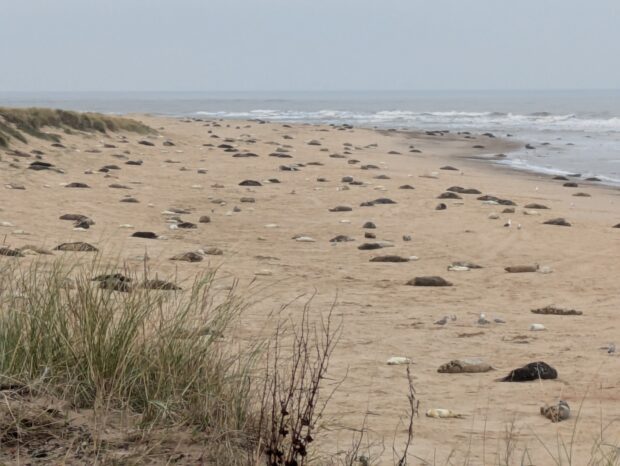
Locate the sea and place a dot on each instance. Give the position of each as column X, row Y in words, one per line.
column 572, row 131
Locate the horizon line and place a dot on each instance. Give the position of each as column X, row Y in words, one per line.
column 229, row 91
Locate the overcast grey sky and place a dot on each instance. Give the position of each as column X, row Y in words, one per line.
column 210, row 45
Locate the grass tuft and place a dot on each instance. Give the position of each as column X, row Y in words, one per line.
column 159, row 356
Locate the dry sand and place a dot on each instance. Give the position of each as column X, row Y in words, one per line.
column 382, row 316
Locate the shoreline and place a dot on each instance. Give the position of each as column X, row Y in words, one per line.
column 304, row 191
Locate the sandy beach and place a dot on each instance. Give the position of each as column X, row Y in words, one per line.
column 274, row 238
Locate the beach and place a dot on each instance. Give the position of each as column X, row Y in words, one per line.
column 274, row 238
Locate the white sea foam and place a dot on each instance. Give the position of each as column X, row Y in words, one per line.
column 539, row 121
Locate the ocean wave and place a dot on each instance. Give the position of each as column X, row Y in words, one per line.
column 539, row 121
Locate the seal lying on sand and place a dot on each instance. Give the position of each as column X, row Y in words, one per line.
column 459, row 366
column 531, row 371
column 556, row 413
column 558, row 311
column 443, row 413
column 522, row 268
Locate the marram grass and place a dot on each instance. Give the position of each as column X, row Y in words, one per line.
column 18, row 123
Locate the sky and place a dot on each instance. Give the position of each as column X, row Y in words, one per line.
column 296, row 45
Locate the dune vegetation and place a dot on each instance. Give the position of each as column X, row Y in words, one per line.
column 20, row 123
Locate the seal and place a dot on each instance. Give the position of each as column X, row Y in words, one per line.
column 77, row 246
column 522, row 268
column 443, row 413
column 465, row 366
column 429, row 281
column 531, row 371
column 556, row 413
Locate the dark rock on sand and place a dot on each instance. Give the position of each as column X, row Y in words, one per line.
column 389, row 258
column 406, row 186
column 250, row 183
column 367, row 204
column 145, row 234
column 187, row 225
column 118, row 186
column 557, row 221
column 134, row 162
column 570, row 185
column 536, row 206
column 449, row 167
column 582, row 195
column 247, row 200
column 369, row 225
column 131, row 200
column 429, row 281
column 204, row 219
column 532, row 371
column 370, row 235
column 187, row 257
column 77, row 246
column 144, row 142
column 369, row 167
column 592, row 178
column 560, row 178
column 77, row 185
column 441, row 206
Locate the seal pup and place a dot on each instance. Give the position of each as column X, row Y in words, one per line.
column 465, row 366
column 532, row 371
column 556, row 413
column 441, row 413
